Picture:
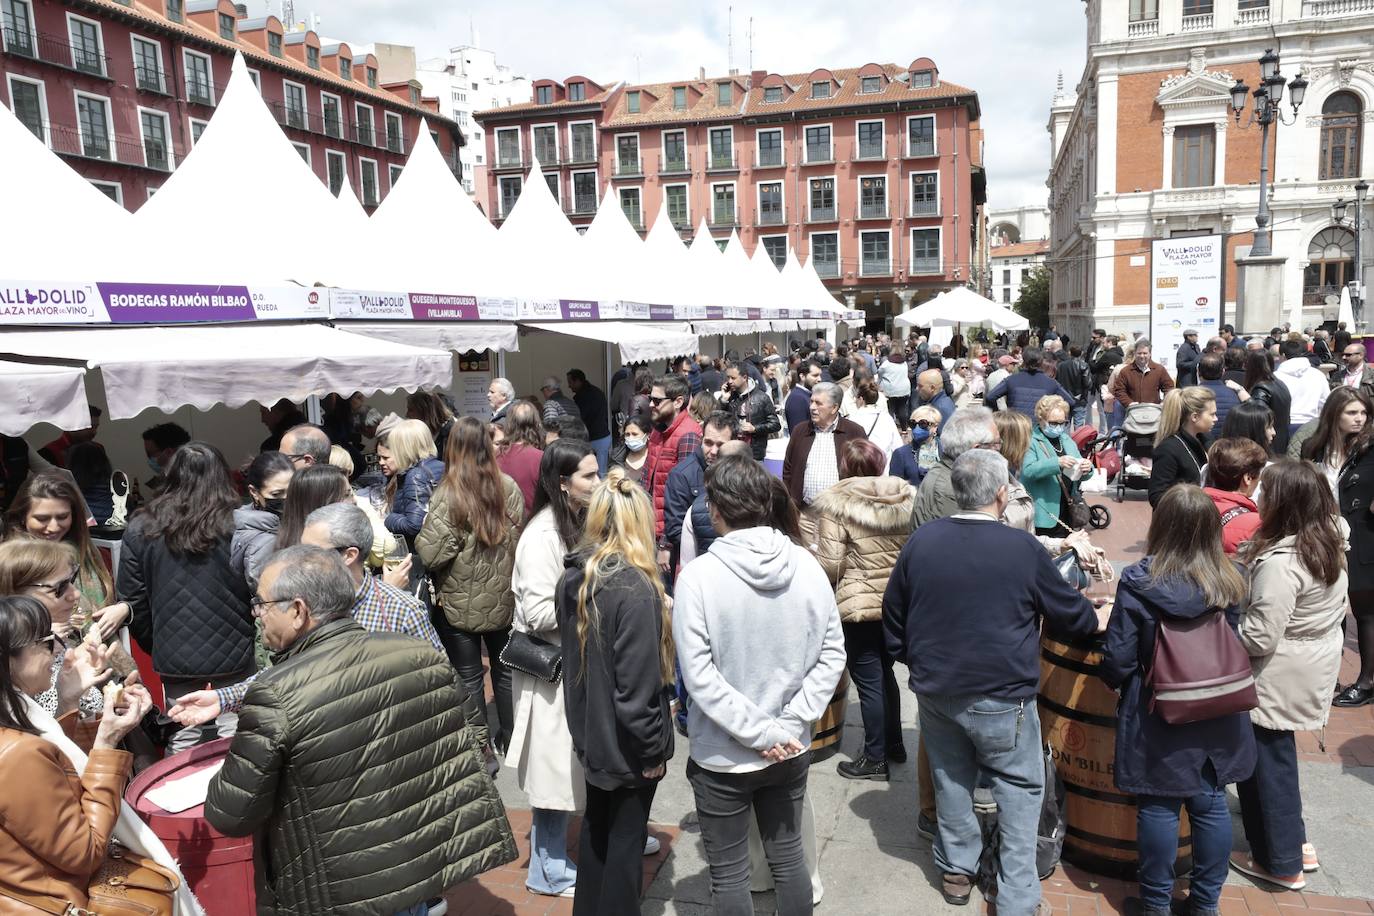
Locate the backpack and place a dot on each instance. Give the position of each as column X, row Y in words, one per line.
column 1199, row 671
column 1049, row 835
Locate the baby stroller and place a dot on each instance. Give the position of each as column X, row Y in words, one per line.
column 1101, row 451
column 1137, row 442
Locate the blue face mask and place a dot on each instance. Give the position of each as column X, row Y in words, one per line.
column 1055, row 430
column 919, row 435
column 154, row 466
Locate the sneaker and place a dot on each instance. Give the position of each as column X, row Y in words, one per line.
column 652, row 846
column 1246, row 866
column 437, row 907
column 1309, row 858
column 926, row 827
column 956, row 888
column 1043, row 908
column 864, row 768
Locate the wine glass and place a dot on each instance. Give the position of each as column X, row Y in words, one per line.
column 395, row 554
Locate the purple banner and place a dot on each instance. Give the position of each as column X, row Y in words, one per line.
column 715, row 312
column 440, row 307
column 579, row 309
column 755, row 314
column 661, row 313
column 164, row 303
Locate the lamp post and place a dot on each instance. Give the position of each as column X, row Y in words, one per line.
column 1267, row 110
column 1338, row 216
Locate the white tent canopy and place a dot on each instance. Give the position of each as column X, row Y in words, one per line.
column 458, row 336
column 639, row 341
column 36, row 393
column 962, row 306
column 205, row 365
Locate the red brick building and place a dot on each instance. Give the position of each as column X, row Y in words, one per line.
column 875, row 173
column 121, row 90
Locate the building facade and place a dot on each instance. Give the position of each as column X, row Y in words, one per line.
column 1009, row 264
column 122, row 91
column 1017, row 224
column 1146, row 147
column 874, row 174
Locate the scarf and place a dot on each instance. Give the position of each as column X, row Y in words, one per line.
column 129, row 830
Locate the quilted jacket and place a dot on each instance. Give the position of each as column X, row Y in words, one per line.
column 413, row 492
column 190, row 613
column 666, row 448
column 864, row 522
column 473, row 579
column 255, row 539
column 353, row 764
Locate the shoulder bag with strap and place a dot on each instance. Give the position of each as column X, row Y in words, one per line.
column 1199, row 671
column 1079, row 513
column 126, row 884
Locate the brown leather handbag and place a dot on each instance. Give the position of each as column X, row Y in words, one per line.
column 127, row 884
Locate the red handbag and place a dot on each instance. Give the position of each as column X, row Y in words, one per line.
column 1199, row 671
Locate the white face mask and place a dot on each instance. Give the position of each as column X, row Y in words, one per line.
column 636, row 443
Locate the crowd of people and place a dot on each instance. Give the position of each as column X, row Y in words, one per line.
column 627, row 579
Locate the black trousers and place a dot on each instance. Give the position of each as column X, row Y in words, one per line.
column 1271, row 804
column 465, row 654
column 880, row 700
column 610, row 851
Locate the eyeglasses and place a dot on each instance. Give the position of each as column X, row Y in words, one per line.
column 994, row 446
column 1353, row 353
column 258, row 605
column 656, row 401
column 59, row 588
column 49, row 642
column 924, row 424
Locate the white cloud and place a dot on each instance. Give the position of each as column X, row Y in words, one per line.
column 1007, row 50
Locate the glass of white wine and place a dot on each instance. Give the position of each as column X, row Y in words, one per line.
column 395, row 554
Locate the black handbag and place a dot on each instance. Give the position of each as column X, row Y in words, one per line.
column 1071, row 570
column 533, row 656
column 1079, row 513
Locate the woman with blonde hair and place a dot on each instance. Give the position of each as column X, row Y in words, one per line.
column 1188, row 415
column 1052, row 467
column 613, row 616
column 341, row 459
column 409, row 461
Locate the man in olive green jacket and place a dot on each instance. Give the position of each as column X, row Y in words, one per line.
column 352, row 762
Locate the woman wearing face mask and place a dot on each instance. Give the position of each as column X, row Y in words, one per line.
column 1052, row 467
column 633, row 450
column 255, row 525
column 1188, row 415
column 910, row 462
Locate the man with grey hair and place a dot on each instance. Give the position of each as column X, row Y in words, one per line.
column 811, row 464
column 1142, row 380
column 967, row 428
column 353, row 728
column 556, row 403
column 973, row 650
column 305, row 445
column 500, row 395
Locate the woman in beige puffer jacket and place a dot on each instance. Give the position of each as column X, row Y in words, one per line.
column 862, row 523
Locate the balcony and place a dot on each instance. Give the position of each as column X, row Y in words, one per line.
column 1202, row 22
column 55, row 50
column 680, row 221
column 868, row 155
column 680, row 164
column 584, row 207
column 581, row 155
column 1337, row 7
column 369, row 196
column 155, row 155
column 364, row 134
column 333, row 126
column 1182, row 201
column 150, row 79
column 819, row 155
column 291, row 116
column 771, row 216
column 198, row 93
column 395, row 143
column 826, row 269
column 921, row 149
column 871, row 211
column 770, row 159
column 68, row 141
column 925, row 208
column 509, row 162
column 629, row 168
column 822, row 214
column 90, row 61
column 722, row 163
column 548, row 158
column 635, row 217
column 724, row 218
column 1145, row 28
column 875, row 267
column 1255, row 16
column 925, row 267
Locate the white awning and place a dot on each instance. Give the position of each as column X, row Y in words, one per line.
column 42, row 394
column 458, row 336
column 731, row 326
column 205, row 365
column 640, row 341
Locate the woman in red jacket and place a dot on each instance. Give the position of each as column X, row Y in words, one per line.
column 1233, row 473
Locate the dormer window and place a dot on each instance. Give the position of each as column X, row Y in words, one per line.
column 922, row 79
column 312, row 57
column 820, row 90
column 870, row 84
column 577, row 92
column 632, row 101
column 175, row 10
column 415, row 95
column 723, row 94
column 346, row 68
column 274, row 44
column 679, row 98
column 772, row 94
column 371, row 76
column 543, row 95
column 226, row 26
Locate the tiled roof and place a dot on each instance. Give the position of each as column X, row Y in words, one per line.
column 152, row 14
column 659, row 109
column 595, row 98
column 848, row 94
column 1020, row 249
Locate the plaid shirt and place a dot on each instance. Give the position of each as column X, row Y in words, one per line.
column 822, row 465
column 380, row 608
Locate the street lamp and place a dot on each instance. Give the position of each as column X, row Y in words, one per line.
column 1267, row 110
column 1338, row 215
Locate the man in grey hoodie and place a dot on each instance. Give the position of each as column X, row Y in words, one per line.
column 759, row 640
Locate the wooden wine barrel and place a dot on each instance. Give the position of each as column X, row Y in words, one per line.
column 828, row 730
column 1078, row 720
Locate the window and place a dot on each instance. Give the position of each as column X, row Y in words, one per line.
column 629, row 205
column 393, row 175
column 920, row 136
column 175, row 10
column 93, row 119
column 577, row 92
column 1331, row 264
column 1006, row 278
column 822, row 193
column 1252, row 5
column 818, row 143
column 197, row 128
column 582, row 140
column 111, row 189
column 721, row 244
column 312, row 57
column 873, row 197
column 722, row 148
column 371, row 77
column 632, row 101
column 1197, row 7
column 875, row 250
column 584, row 192
column 148, row 65
column 198, row 87
column 724, row 96
column 925, row 194
column 508, row 147
column 723, row 204
column 554, row 185
column 333, row 116
column 1144, row 10
column 86, row 50
column 1006, row 295
column 16, row 16
column 922, row 79
column 256, row 78
column 510, row 193
column 675, row 151
column 627, row 154
column 1194, row 156
column 346, row 68
column 395, row 133
column 156, row 132
column 868, row 84
column 771, row 211
column 543, row 95
column 677, row 206
column 925, row 251
column 30, row 107
column 1340, row 141
column 870, row 139
column 772, row 94
column 274, row 44
column 679, row 98
column 820, row 90
column 336, row 166
column 367, row 169
column 226, row 26
column 303, row 151
column 546, row 143
column 825, row 254
column 775, row 246
column 365, row 129
column 294, row 94
column 770, row 147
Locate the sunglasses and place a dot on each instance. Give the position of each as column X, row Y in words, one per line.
column 656, row 401
column 50, row 642
column 59, row 588
column 924, row 424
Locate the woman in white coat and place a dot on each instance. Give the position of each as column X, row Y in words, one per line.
column 541, row 748
column 873, row 417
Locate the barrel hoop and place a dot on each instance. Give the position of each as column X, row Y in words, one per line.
column 1097, row 839
column 1086, row 718
column 828, row 733
column 1072, row 664
column 1082, row 643
column 1111, row 798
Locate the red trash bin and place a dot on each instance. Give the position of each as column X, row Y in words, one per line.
column 218, row 868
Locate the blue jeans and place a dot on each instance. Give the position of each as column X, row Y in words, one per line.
column 1157, row 827
column 419, row 909
column 1080, row 416
column 1271, row 804
column 551, row 871
column 966, row 734
column 602, row 448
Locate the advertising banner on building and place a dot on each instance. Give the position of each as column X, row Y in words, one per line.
column 1186, row 278
column 25, row 304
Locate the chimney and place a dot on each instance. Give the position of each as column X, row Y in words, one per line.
column 756, row 77
column 241, row 10
column 701, row 74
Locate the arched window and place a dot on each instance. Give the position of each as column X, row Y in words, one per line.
column 1330, row 264
column 1340, row 153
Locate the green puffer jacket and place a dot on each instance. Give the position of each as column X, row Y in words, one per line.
column 354, row 765
column 473, row 579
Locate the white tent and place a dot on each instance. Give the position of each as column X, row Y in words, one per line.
column 1347, row 311
column 615, row 252
column 667, row 262
column 42, row 394
column 538, row 254
column 962, row 306
column 639, row 341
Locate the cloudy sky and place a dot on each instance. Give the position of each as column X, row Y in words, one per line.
column 1008, row 50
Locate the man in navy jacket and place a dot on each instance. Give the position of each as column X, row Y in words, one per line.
column 1024, row 389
